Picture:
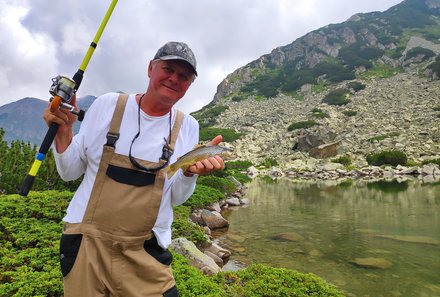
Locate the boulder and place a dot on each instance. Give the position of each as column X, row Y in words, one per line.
column 213, row 219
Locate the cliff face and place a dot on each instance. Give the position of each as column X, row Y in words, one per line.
column 389, row 32
column 393, row 55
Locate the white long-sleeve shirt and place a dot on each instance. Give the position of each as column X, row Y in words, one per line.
column 84, row 154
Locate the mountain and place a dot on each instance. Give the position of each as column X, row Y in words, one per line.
column 362, row 86
column 23, row 119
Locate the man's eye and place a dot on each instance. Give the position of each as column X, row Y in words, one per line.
column 168, row 69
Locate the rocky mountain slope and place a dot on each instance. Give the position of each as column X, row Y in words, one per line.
column 384, row 66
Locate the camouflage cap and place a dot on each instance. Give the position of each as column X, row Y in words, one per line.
column 177, row 51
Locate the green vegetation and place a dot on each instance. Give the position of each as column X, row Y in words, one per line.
column 229, row 135
column 383, row 136
column 268, row 163
column 235, row 169
column 380, row 71
column 222, row 184
column 254, row 280
column 336, row 97
column 392, row 158
column 350, row 113
column 16, row 160
column 208, row 115
column 356, row 86
column 30, row 228
column 301, row 125
column 344, row 160
column 319, row 113
column 432, row 161
column 414, row 52
column 435, row 66
column 357, row 54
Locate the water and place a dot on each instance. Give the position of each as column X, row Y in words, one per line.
column 322, row 227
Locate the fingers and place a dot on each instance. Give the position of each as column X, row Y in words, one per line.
column 60, row 117
column 215, row 141
column 207, row 166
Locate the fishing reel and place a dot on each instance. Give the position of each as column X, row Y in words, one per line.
column 63, row 89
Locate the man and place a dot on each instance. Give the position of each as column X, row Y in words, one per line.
column 118, row 224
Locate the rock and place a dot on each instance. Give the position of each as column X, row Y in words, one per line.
column 195, row 257
column 374, row 263
column 213, row 219
column 219, row 251
column 288, row 236
column 214, row 257
column 324, row 151
column 252, row 171
column 233, row 201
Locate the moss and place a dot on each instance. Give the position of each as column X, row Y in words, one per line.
column 229, row 135
column 259, row 280
column 301, row 125
column 336, row 97
column 392, row 158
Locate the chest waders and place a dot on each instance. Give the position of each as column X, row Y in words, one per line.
column 113, row 251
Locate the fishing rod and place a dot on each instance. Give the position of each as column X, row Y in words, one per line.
column 63, row 89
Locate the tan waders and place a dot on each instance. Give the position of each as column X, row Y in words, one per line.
column 113, row 251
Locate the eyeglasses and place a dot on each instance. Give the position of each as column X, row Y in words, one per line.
column 166, row 149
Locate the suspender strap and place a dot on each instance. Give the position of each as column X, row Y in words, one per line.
column 113, row 133
column 176, row 129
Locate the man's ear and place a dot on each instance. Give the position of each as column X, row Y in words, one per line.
column 150, row 68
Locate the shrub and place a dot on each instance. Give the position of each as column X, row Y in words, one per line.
column 416, row 51
column 220, row 183
column 182, row 227
column 319, row 113
column 336, row 97
column 392, row 158
column 350, row 113
column 301, row 125
column 269, row 162
column 356, row 86
column 433, row 161
column 229, row 135
column 204, row 195
column 344, row 160
column 259, row 280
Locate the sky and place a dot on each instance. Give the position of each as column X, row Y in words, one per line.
column 41, row 39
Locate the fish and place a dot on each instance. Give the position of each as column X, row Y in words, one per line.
column 199, row 153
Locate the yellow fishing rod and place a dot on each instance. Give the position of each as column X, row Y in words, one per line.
column 62, row 90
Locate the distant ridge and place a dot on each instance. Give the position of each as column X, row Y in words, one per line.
column 22, row 119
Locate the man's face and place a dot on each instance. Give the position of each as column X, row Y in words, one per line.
column 169, row 80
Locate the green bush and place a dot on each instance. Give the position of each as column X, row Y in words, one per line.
column 301, row 125
column 383, row 136
column 204, row 195
column 336, row 97
column 269, row 162
column 319, row 113
column 220, row 183
column 183, row 227
column 414, row 52
column 349, row 113
column 433, row 161
column 228, row 135
column 344, row 160
column 356, row 86
column 392, row 158
column 258, row 280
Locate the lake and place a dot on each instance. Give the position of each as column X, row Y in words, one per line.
column 369, row 238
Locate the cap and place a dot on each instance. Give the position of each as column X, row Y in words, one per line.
column 177, row 51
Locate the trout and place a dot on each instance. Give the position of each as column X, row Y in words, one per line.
column 200, row 153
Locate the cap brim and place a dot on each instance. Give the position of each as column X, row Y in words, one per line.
column 173, row 57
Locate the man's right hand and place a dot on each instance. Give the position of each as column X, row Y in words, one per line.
column 65, row 119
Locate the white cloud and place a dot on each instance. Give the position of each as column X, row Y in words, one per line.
column 28, row 60
column 41, row 39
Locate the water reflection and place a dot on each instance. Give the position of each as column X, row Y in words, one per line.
column 370, row 238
